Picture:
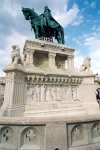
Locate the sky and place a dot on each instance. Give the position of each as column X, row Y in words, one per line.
column 79, row 18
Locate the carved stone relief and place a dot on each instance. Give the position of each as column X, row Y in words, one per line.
column 40, row 60
column 77, row 135
column 30, row 139
column 50, row 93
column 7, row 136
column 60, row 62
column 2, row 89
column 96, row 132
column 30, row 136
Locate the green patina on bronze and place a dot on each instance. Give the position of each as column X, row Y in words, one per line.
column 44, row 25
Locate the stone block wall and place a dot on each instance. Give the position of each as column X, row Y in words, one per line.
column 50, row 136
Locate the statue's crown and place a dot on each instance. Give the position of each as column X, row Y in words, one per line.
column 46, row 7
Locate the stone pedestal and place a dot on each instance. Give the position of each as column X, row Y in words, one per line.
column 14, row 95
column 56, row 54
column 44, row 87
column 46, row 106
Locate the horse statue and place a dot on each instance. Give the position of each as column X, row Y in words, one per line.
column 44, row 25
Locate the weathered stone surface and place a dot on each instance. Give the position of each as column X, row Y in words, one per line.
column 47, row 106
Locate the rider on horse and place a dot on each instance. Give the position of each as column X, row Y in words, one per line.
column 49, row 19
column 44, row 25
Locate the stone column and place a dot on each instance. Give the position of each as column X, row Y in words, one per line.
column 70, row 61
column 54, row 55
column 14, row 95
column 29, row 57
column 52, row 60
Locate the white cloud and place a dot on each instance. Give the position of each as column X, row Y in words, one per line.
column 88, row 20
column 94, row 27
column 74, row 39
column 93, row 44
column 95, row 21
column 86, row 3
column 93, row 5
column 72, row 16
column 99, row 12
column 66, row 37
column 11, row 8
column 98, row 29
column 78, row 60
column 78, row 42
column 95, row 60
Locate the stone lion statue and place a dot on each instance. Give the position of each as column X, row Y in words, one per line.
column 86, row 64
column 15, row 55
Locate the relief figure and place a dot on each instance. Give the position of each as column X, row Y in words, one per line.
column 54, row 93
column 48, row 94
column 59, row 93
column 35, row 97
column 43, row 89
column 63, row 90
column 30, row 93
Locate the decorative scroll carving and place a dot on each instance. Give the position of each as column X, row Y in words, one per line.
column 49, row 93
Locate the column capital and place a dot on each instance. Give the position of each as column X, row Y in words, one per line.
column 52, row 54
column 70, row 56
column 28, row 50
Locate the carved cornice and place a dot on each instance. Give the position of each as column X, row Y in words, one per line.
column 53, row 79
column 47, row 45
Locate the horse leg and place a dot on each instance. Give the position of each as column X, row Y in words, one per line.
column 59, row 37
column 35, row 28
column 62, row 35
column 36, row 32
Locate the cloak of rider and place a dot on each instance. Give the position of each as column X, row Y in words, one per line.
column 49, row 19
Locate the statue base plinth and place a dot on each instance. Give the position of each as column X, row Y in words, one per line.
column 53, row 109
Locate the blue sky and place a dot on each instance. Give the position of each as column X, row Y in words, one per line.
column 80, row 19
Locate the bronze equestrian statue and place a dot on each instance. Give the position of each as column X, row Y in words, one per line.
column 44, row 25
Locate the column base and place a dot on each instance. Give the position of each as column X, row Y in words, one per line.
column 11, row 111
